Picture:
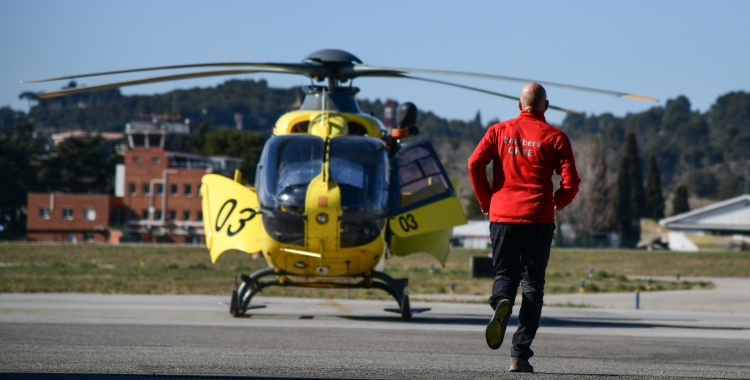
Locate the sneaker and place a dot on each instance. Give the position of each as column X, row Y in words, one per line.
column 496, row 328
column 520, row 365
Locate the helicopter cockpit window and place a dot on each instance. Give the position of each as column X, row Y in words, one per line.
column 419, row 177
column 286, row 168
column 360, row 168
column 356, row 129
column 300, row 127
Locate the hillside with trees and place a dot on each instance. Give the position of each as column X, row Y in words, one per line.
column 707, row 152
column 688, row 154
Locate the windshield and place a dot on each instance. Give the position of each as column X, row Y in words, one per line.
column 359, row 165
column 287, row 166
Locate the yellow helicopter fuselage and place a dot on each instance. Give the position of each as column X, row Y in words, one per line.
column 323, row 254
column 343, row 224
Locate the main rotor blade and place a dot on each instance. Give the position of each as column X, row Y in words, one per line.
column 166, row 78
column 365, row 70
column 481, row 90
column 299, row 68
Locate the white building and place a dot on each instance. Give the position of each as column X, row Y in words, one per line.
column 728, row 217
column 475, row 234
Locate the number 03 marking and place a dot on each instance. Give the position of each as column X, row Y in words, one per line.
column 251, row 214
column 407, row 222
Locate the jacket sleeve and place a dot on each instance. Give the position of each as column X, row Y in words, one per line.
column 566, row 168
column 478, row 162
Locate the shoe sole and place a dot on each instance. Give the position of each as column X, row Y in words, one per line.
column 496, row 328
column 520, row 369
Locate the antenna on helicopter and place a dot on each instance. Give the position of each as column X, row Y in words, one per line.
column 323, row 110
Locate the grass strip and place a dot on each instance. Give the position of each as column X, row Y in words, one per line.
column 165, row 269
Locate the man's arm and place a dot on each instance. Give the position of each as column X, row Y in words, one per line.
column 478, row 162
column 566, row 168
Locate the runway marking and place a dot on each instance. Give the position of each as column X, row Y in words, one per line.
column 338, row 306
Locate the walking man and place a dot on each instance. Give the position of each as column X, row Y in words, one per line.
column 524, row 151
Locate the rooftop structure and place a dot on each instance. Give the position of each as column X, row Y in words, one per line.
column 57, row 138
column 158, row 134
column 729, row 216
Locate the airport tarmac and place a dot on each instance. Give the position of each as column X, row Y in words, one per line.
column 729, row 295
column 318, row 338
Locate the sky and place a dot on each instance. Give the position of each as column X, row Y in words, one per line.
column 661, row 49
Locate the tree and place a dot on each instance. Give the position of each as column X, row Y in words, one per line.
column 30, row 96
column 18, row 148
column 635, row 173
column 628, row 230
column 199, row 137
column 79, row 166
column 9, row 118
column 730, row 185
column 244, row 144
column 590, row 213
column 729, row 119
column 680, row 201
column 702, row 183
column 654, row 197
column 478, row 118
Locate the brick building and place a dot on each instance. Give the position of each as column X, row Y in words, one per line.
column 72, row 218
column 156, row 194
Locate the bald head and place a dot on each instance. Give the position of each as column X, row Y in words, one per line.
column 533, row 98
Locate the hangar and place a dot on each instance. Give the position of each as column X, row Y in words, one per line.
column 729, row 217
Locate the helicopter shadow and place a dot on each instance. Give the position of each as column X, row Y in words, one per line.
column 544, row 322
column 428, row 320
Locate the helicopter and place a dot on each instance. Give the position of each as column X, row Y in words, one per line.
column 336, row 192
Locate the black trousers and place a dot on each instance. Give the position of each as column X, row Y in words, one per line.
column 521, row 251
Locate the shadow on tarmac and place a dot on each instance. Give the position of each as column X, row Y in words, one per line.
column 544, row 322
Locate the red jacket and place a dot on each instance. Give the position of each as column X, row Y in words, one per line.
column 525, row 151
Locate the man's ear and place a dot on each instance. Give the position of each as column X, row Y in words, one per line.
column 546, row 105
column 520, row 108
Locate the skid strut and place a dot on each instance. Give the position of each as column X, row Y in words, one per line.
column 243, row 292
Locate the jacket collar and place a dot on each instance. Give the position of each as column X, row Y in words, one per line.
column 533, row 115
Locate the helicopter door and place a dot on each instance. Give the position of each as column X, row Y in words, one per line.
column 424, row 205
column 231, row 218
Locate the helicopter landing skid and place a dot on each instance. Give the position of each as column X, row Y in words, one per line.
column 252, row 284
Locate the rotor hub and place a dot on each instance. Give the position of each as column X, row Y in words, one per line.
column 333, row 57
